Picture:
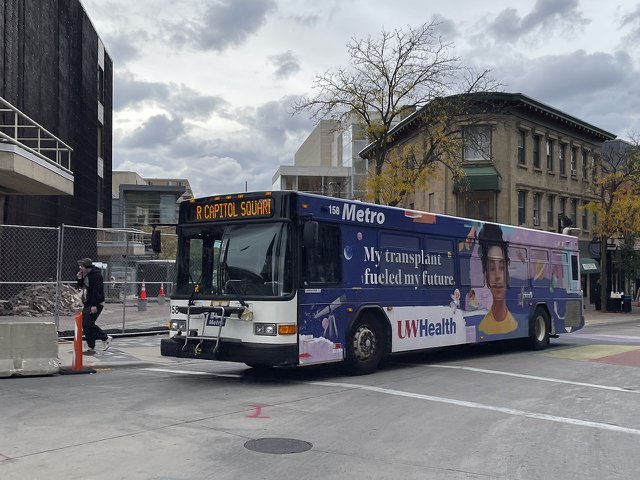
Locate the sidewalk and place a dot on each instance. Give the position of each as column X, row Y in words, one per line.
column 116, row 318
column 136, row 351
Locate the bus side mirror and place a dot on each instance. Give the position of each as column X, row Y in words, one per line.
column 310, row 235
column 156, row 242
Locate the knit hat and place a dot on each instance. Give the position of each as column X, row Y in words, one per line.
column 86, row 263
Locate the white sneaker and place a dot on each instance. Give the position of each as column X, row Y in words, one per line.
column 89, row 351
column 107, row 343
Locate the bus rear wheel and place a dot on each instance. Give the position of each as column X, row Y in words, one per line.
column 365, row 346
column 539, row 330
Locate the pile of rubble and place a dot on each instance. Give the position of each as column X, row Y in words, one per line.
column 40, row 301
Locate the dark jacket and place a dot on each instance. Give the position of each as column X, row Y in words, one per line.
column 93, row 286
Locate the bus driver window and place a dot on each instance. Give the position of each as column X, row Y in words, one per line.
column 322, row 261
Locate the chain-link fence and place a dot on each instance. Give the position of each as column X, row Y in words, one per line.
column 38, row 267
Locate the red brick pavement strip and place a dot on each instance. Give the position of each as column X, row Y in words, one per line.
column 631, row 359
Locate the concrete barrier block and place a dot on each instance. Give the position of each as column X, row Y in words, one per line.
column 28, row 348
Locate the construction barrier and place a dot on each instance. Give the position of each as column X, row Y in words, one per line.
column 28, row 348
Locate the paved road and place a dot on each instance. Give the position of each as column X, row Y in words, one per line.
column 482, row 412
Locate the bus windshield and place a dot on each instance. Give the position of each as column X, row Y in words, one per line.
column 235, row 261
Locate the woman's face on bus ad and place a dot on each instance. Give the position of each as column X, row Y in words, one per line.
column 496, row 272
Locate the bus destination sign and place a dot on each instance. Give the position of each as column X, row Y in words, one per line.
column 234, row 209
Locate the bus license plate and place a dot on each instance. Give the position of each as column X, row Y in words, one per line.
column 215, row 321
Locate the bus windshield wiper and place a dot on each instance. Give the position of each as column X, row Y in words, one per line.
column 232, row 285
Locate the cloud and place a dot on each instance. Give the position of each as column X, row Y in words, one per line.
column 274, row 121
column 598, row 88
column 179, row 99
column 287, row 64
column 264, row 138
column 547, row 17
column 632, row 21
column 124, row 46
column 156, row 131
column 224, row 23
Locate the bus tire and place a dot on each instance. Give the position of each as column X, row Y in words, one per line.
column 365, row 346
column 539, row 330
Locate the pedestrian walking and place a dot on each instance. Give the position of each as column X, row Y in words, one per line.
column 92, row 284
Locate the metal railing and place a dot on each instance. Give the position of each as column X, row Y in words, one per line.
column 18, row 129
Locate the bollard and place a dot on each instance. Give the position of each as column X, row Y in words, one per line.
column 161, row 294
column 142, row 298
column 76, row 362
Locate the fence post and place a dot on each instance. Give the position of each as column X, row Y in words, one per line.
column 126, row 286
column 56, row 307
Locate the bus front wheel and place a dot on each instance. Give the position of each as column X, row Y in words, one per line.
column 365, row 346
column 539, row 330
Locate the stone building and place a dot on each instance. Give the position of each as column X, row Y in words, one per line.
column 525, row 163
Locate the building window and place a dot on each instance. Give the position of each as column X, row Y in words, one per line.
column 536, row 209
column 563, row 206
column 536, row 151
column 585, row 165
column 562, row 158
column 574, row 212
column 585, row 217
column 550, row 155
column 100, row 85
column 100, row 141
column 522, row 160
column 100, row 193
column 550, row 200
column 477, row 143
column 522, row 207
column 574, row 161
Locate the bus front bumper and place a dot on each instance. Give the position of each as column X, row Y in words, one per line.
column 229, row 351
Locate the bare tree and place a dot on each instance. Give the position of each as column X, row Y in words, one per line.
column 399, row 71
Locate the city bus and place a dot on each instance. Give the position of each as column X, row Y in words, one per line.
column 289, row 278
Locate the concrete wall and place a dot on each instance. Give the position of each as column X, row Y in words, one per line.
column 28, row 348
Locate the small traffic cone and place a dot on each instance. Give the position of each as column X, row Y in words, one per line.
column 161, row 294
column 142, row 298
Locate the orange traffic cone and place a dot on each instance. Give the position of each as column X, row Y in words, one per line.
column 142, row 298
column 161, row 294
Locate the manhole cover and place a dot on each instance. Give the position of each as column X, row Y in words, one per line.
column 278, row 445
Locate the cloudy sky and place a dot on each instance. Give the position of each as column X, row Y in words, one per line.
column 203, row 88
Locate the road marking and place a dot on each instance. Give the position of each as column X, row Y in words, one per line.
column 480, row 406
column 431, row 398
column 193, row 372
column 619, row 338
column 533, row 377
column 589, row 352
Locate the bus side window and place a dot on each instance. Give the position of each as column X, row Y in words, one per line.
column 518, row 267
column 322, row 263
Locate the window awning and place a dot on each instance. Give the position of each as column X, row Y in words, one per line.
column 588, row 265
column 478, row 178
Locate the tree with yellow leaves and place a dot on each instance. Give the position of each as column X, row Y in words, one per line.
column 618, row 206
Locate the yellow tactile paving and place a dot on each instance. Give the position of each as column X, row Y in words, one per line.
column 590, row 352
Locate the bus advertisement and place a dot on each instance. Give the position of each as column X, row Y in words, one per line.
column 287, row 278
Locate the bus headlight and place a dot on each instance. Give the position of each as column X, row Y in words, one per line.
column 269, row 329
column 178, row 325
